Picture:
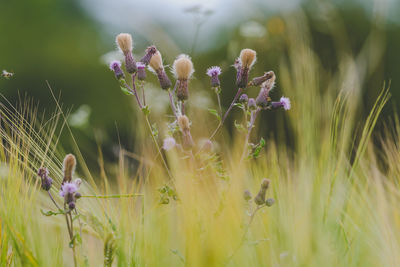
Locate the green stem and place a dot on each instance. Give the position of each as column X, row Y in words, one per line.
column 114, row 196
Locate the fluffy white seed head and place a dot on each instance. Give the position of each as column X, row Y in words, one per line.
column 124, row 42
column 182, row 67
column 156, row 62
column 247, row 57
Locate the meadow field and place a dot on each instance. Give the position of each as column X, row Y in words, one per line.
column 321, row 189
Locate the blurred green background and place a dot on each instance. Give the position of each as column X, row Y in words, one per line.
column 69, row 43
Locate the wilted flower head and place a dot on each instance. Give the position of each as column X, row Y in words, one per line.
column 115, row 66
column 262, row 79
column 124, row 42
column 68, row 188
column 45, row 178
column 182, row 67
column 260, row 198
column 69, row 165
column 214, row 72
column 270, row 82
column 184, row 125
column 150, row 51
column 168, row 143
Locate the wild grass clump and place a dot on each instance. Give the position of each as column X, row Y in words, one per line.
column 198, row 197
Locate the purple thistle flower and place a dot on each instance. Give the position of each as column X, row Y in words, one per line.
column 46, row 180
column 285, row 102
column 252, row 104
column 68, row 188
column 150, row 51
column 214, row 71
column 243, row 98
column 141, row 73
column 115, row 66
column 169, row 143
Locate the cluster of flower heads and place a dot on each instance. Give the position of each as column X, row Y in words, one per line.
column 69, row 189
column 259, row 199
column 182, row 69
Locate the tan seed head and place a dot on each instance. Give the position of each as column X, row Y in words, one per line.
column 247, row 57
column 182, row 67
column 69, row 165
column 156, row 61
column 124, row 42
column 183, row 123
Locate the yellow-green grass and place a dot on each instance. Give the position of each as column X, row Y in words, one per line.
column 335, row 204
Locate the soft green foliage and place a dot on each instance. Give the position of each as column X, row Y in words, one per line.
column 335, row 205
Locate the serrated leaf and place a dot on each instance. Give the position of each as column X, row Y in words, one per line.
column 51, row 213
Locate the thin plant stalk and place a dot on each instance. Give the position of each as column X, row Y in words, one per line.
column 249, row 128
column 226, row 113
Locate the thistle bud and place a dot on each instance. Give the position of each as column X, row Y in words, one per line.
column 157, row 67
column 115, row 66
column 78, row 195
column 243, row 99
column 141, row 73
column 46, row 180
column 182, row 70
column 150, row 51
column 243, row 65
column 263, row 98
column 214, row 72
column 184, row 125
column 130, row 63
column 71, row 205
column 247, row 195
column 260, row 198
column 259, row 80
column 251, row 104
column 269, row 202
column 69, row 165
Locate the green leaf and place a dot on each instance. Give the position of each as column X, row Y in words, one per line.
column 51, row 213
column 126, row 91
column 146, row 110
column 239, row 105
column 239, row 127
column 215, row 113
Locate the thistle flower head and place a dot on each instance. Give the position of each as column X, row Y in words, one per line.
column 247, row 58
column 140, row 65
column 251, row 104
column 260, row 198
column 270, row 82
column 124, row 42
column 45, row 178
column 285, row 102
column 243, row 98
column 265, row 183
column 214, row 71
column 182, row 67
column 155, row 63
column 150, row 51
column 247, row 195
column 116, row 64
column 69, row 165
column 183, row 122
column 68, row 188
column 168, row 143
column 265, row 80
column 269, row 202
